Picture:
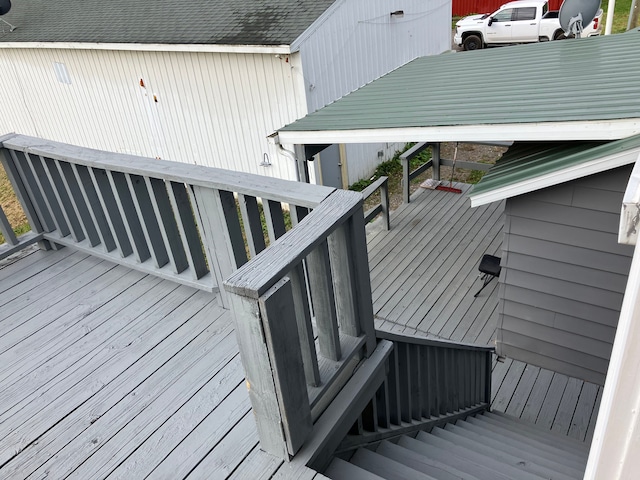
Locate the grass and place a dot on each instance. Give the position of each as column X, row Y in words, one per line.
column 11, row 207
column 620, row 16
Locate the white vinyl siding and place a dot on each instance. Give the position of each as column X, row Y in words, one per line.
column 359, row 41
column 205, row 108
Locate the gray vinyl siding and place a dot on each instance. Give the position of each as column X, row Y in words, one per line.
column 563, row 275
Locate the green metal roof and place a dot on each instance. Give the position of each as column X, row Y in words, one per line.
column 575, row 80
column 527, row 167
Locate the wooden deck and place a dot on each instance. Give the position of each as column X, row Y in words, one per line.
column 424, row 274
column 106, row 372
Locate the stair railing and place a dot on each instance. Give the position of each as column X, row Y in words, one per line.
column 429, row 382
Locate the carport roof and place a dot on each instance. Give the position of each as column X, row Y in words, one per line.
column 527, row 167
column 581, row 89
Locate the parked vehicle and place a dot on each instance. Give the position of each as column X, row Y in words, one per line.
column 522, row 21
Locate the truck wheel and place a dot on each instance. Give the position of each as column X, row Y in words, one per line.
column 472, row 42
column 559, row 35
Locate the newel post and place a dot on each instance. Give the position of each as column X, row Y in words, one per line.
column 267, row 336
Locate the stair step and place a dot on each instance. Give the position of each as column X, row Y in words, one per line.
column 523, row 441
column 452, row 459
column 518, row 449
column 341, row 470
column 407, row 457
column 497, row 451
column 509, row 470
column 385, row 467
column 544, row 435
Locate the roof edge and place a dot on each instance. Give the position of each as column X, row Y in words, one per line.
column 152, row 47
column 556, row 177
column 532, row 132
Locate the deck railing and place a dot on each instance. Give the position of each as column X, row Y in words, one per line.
column 191, row 224
column 434, row 163
column 304, row 319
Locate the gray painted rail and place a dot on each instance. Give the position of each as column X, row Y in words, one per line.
column 313, row 278
column 190, row 224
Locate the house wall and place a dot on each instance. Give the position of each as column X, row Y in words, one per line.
column 357, row 41
column 212, row 109
column 564, row 275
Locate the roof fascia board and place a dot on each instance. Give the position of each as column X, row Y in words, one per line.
column 630, row 214
column 295, row 45
column 153, row 47
column 550, row 179
column 543, row 131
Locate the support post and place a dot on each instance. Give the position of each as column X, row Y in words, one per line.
column 435, row 157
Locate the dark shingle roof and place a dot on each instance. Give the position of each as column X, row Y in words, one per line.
column 225, row 22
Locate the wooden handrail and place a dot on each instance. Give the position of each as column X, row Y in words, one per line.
column 433, row 342
column 321, row 262
column 297, row 193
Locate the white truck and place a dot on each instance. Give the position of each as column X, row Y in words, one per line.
column 522, row 21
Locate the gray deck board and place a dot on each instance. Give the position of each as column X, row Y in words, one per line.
column 424, row 273
column 110, row 373
column 106, row 372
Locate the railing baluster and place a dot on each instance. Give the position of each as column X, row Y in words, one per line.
column 252, row 223
column 343, row 281
column 425, row 391
column 46, row 191
column 274, row 218
column 23, row 191
column 186, row 224
column 323, row 300
column 107, row 202
column 148, row 219
column 78, row 203
column 415, row 372
column 297, row 214
column 51, row 169
column 404, row 369
column 382, row 400
column 303, row 319
column 130, row 220
column 159, row 197
column 362, row 278
column 88, row 189
column 395, row 409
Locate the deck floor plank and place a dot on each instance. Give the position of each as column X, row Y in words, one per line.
column 125, row 374
column 538, row 393
column 257, row 466
column 584, row 410
column 82, row 356
column 523, row 391
column 55, row 337
column 567, row 407
column 26, row 421
column 185, row 378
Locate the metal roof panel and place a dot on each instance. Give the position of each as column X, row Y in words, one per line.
column 574, row 80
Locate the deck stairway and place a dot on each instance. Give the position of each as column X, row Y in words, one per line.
column 489, row 446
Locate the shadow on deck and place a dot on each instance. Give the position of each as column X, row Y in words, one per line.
column 424, row 273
